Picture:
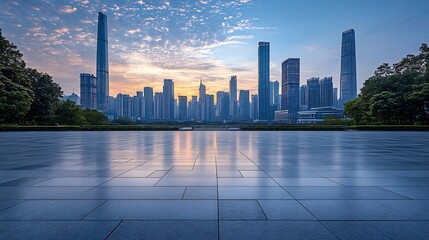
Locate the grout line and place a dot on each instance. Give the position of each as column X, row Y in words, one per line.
column 114, row 229
column 93, row 210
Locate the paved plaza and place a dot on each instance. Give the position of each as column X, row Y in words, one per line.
column 214, row 185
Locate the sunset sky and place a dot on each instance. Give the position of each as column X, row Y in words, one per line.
column 151, row 40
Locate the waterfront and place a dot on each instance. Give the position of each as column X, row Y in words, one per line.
column 210, row 185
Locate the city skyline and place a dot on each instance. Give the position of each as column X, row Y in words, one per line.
column 55, row 35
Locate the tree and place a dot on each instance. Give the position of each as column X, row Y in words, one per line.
column 357, row 110
column 15, row 87
column 68, row 113
column 420, row 98
column 94, row 117
column 46, row 99
column 385, row 106
column 123, row 121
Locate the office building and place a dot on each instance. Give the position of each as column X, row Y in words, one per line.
column 233, row 97
column 348, row 81
column 193, row 108
column 202, row 108
column 168, row 100
column 276, row 94
column 264, row 81
column 222, row 105
column 209, row 109
column 326, row 92
column 254, row 107
column 183, row 108
column 303, row 97
column 157, row 111
column 290, row 88
column 102, row 63
column 88, row 91
column 313, row 91
column 148, row 103
column 244, row 105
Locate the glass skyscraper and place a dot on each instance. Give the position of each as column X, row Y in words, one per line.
column 348, row 82
column 244, row 104
column 326, row 92
column 168, row 100
column 183, row 108
column 148, row 102
column 313, row 88
column 102, row 64
column 290, row 88
column 88, row 91
column 202, row 107
column 233, row 96
column 264, row 81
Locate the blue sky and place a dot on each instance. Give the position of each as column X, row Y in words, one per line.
column 150, row 40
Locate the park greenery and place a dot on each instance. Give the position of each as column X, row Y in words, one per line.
column 395, row 95
column 31, row 97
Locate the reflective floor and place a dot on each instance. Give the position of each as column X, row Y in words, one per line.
column 214, row 185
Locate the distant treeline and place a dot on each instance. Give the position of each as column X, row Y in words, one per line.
column 397, row 94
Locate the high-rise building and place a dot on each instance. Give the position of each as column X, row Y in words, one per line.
column 326, row 92
column 209, row 107
column 271, row 93
column 313, row 91
column 290, row 88
column 244, row 105
column 233, row 96
column 124, row 106
column 138, row 106
column 303, row 97
column 222, row 105
column 148, row 102
column 335, row 97
column 202, row 108
column 193, row 108
column 276, row 94
column 88, row 91
column 348, row 81
column 254, row 107
column 157, row 111
column 264, row 81
column 183, row 108
column 168, row 100
column 102, row 63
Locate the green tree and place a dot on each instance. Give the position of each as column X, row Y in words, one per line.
column 15, row 87
column 420, row 99
column 123, row 121
column 46, row 99
column 357, row 110
column 385, row 106
column 94, row 117
column 68, row 113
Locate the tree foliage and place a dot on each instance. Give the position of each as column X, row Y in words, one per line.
column 94, row 117
column 397, row 94
column 68, row 113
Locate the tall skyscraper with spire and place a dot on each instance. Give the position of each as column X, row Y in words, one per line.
column 202, row 105
column 348, row 82
column 102, row 63
column 264, row 81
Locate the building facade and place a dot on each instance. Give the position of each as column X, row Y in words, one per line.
column 264, row 81
column 348, row 78
column 244, row 105
column 313, row 92
column 88, row 91
column 102, row 63
column 148, row 103
column 168, row 100
column 233, row 97
column 290, row 87
column 326, row 92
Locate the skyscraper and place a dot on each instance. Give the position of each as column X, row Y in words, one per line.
column 326, row 92
column 202, row 108
column 276, row 88
column 290, row 88
column 254, row 108
column 313, row 90
column 233, row 96
column 148, row 102
column 193, row 108
column 335, row 97
column 303, row 97
column 157, row 106
column 222, row 105
column 168, row 100
column 244, row 103
column 348, row 82
column 183, row 108
column 264, row 81
column 209, row 107
column 102, row 63
column 88, row 91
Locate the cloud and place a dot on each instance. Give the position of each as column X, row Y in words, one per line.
column 68, row 9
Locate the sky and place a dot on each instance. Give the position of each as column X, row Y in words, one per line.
column 190, row 40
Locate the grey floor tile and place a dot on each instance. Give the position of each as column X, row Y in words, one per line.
column 136, row 174
column 285, row 210
column 131, row 182
column 156, row 210
column 368, row 209
column 50, row 210
column 305, row 182
column 229, row 174
column 166, row 230
column 133, row 193
column 342, row 193
column 273, row 230
column 253, row 193
column 188, row 181
column 42, row 192
column 411, row 192
column 354, row 230
column 403, row 230
column 27, row 181
column 200, row 193
column 72, row 182
column 246, row 182
column 8, row 203
column 383, row 182
column 54, row 230
column 158, row 174
column 240, row 210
